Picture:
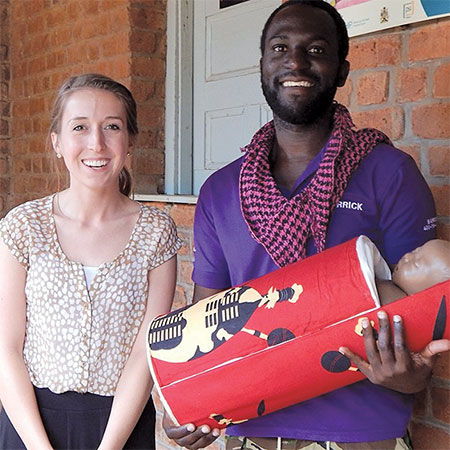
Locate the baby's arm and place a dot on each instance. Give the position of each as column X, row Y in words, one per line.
column 388, row 291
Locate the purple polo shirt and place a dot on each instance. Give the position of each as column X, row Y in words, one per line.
column 387, row 200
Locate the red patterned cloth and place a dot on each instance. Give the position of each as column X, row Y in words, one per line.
column 284, row 225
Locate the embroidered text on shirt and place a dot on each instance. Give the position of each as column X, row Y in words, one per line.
column 358, row 206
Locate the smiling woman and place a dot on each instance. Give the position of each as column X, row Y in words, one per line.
column 82, row 273
column 103, row 86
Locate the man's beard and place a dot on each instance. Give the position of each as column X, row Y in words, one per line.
column 301, row 112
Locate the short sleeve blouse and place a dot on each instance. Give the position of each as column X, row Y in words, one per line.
column 79, row 339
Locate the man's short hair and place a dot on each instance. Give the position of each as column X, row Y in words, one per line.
column 342, row 35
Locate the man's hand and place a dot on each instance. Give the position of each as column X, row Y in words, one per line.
column 392, row 365
column 188, row 436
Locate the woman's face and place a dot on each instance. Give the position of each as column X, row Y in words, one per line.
column 93, row 138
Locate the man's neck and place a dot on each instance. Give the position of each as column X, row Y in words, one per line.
column 295, row 147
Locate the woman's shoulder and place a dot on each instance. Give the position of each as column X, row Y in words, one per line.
column 158, row 233
column 155, row 220
column 29, row 211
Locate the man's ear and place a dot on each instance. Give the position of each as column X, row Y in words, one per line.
column 344, row 69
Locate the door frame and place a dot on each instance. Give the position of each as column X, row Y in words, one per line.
column 178, row 103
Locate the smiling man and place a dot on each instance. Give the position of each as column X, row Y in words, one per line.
column 309, row 181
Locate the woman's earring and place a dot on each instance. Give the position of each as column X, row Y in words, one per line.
column 129, row 154
column 58, row 155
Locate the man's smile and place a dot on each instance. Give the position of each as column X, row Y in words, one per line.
column 300, row 83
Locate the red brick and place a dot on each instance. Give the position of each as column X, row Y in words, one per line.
column 21, row 165
column 148, row 18
column 73, row 10
column 375, row 52
column 143, row 41
column 143, row 90
column 92, row 51
column 439, row 159
column 37, row 105
column 4, row 128
column 151, row 116
column 411, row 84
column 160, row 205
column 20, row 68
column 430, row 41
column 420, row 404
column 414, row 151
column 443, row 232
column 440, row 398
column 425, row 437
column 108, row 5
column 19, row 185
column 36, row 65
column 441, row 85
column 344, row 93
column 61, row 37
column 118, row 67
column 39, row 125
column 3, row 166
column 5, row 108
column 147, row 137
column 442, row 199
column 148, row 162
column 390, row 121
column 35, row 24
column 36, row 183
column 180, row 298
column 441, row 367
column 183, row 215
column 36, row 144
column 119, row 19
column 431, row 121
column 373, row 88
column 160, row 95
column 49, row 164
column 89, row 30
column 116, row 45
column 90, row 7
column 153, row 68
column 185, row 272
column 36, row 164
column 186, row 237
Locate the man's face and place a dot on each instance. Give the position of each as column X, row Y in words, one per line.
column 300, row 67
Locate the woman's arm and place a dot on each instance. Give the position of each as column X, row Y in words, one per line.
column 134, row 387
column 16, row 390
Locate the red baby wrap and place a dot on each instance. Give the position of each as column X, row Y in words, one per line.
column 272, row 342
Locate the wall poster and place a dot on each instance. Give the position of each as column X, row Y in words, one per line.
column 367, row 16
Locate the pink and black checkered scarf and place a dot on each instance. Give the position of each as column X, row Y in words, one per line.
column 284, row 225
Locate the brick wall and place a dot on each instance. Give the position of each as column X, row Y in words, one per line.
column 51, row 40
column 5, row 118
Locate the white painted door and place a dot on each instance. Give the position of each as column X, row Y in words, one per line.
column 228, row 104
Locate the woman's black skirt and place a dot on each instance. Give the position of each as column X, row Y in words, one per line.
column 78, row 421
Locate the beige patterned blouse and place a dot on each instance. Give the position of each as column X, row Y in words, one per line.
column 79, row 339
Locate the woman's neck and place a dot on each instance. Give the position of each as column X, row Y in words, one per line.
column 90, row 206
